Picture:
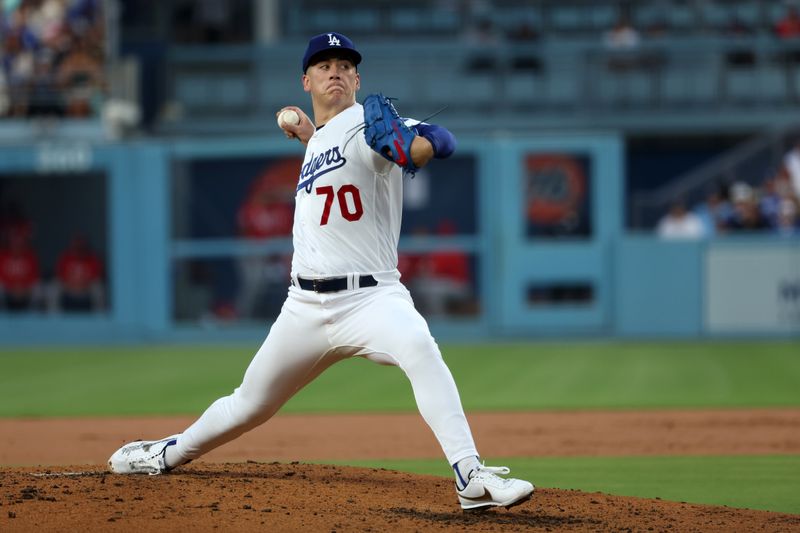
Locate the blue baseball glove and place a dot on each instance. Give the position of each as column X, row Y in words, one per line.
column 386, row 132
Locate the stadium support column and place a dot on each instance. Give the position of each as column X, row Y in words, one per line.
column 267, row 19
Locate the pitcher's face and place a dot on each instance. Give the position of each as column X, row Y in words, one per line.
column 332, row 82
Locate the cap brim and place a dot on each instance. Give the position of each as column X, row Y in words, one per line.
column 345, row 53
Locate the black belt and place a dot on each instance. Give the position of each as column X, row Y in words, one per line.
column 333, row 284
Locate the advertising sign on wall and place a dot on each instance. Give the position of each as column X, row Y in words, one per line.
column 752, row 289
column 557, row 189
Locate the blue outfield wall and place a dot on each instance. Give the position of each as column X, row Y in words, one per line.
column 628, row 285
column 658, row 287
column 736, row 286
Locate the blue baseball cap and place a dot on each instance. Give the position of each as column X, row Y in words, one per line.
column 330, row 41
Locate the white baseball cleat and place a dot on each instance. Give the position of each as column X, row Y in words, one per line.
column 142, row 457
column 486, row 489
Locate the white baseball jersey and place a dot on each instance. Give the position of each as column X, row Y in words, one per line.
column 348, row 205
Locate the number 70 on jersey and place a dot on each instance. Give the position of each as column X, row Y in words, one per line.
column 349, row 199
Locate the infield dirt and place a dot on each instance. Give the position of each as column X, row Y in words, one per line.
column 267, row 489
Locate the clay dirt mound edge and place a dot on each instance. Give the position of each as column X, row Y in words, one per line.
column 310, row 497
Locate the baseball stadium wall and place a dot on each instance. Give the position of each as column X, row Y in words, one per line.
column 537, row 223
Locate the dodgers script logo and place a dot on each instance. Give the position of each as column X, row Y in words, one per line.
column 333, row 40
column 319, row 165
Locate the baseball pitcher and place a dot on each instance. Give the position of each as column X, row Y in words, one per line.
column 345, row 298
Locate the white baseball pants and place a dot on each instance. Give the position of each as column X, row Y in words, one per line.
column 315, row 330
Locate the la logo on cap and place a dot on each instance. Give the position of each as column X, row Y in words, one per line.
column 333, row 42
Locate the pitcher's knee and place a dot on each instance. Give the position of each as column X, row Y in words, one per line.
column 247, row 414
column 423, row 358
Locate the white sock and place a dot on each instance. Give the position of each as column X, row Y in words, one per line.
column 172, row 458
column 463, row 470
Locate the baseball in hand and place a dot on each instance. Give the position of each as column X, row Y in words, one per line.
column 289, row 116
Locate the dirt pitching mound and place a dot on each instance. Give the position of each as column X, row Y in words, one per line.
column 302, row 497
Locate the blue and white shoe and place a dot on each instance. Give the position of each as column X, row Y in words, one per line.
column 486, row 489
column 142, row 457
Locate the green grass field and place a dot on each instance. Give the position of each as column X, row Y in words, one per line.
column 769, row 483
column 521, row 376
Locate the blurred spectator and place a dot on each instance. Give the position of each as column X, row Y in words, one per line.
column 212, row 18
column 769, row 201
column 409, row 264
column 744, row 56
column 51, row 47
column 18, row 66
column 715, row 211
column 78, row 285
column 788, row 26
column 525, row 60
column 771, row 205
column 80, row 75
column 441, row 281
column 484, row 41
column 267, row 212
column 788, row 218
column 14, row 222
column 791, row 162
column 523, row 33
column 85, row 17
column 47, row 20
column 194, row 291
column 43, row 96
column 211, row 21
column 622, row 46
column 783, row 186
column 680, row 223
column 778, row 202
column 622, row 36
column 788, row 223
column 20, row 281
column 5, row 99
column 747, row 215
